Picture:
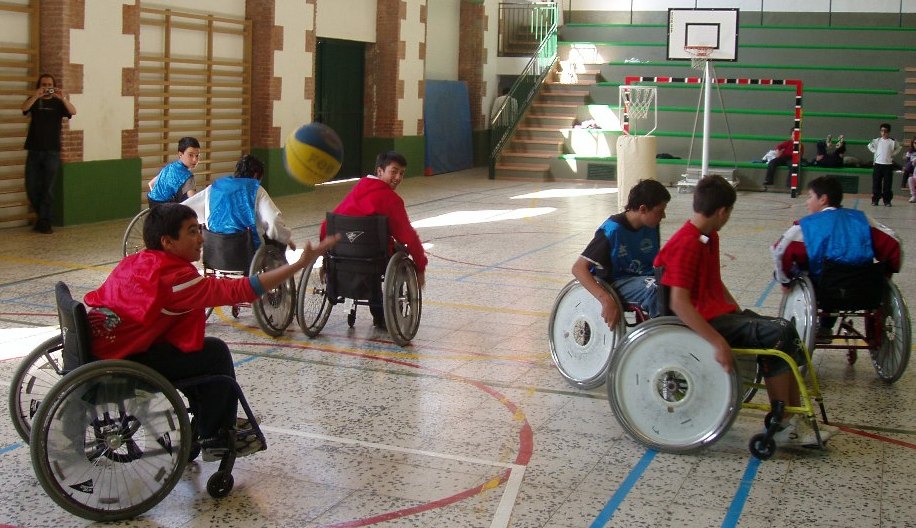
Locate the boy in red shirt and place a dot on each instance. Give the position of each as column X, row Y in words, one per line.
column 151, row 309
column 702, row 301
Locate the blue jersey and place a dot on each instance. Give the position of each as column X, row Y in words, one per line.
column 232, row 202
column 840, row 235
column 170, row 183
column 618, row 251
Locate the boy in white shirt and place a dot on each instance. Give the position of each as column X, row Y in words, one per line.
column 884, row 148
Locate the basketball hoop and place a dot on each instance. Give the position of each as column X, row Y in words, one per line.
column 698, row 55
column 634, row 103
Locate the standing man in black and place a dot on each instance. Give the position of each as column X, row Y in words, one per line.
column 47, row 106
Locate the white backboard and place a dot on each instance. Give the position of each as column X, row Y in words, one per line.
column 715, row 28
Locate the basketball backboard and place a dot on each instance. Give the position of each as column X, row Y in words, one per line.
column 715, row 28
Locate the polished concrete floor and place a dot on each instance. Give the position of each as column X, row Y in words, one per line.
column 472, row 425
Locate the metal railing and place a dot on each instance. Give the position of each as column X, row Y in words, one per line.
column 542, row 18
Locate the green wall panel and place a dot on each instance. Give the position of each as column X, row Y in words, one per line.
column 93, row 191
column 276, row 180
column 411, row 147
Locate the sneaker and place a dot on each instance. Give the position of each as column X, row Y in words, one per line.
column 888, row 204
column 798, row 432
column 380, row 323
column 874, row 204
column 824, row 336
column 246, row 443
column 913, row 199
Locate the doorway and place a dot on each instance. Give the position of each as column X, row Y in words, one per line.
column 339, row 87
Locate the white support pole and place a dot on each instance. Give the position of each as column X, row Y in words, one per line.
column 707, row 97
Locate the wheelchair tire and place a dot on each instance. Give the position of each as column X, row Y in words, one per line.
column 666, row 389
column 800, row 305
column 313, row 305
column 36, row 374
column 891, row 356
column 274, row 310
column 133, row 236
column 581, row 343
column 111, row 440
column 402, row 298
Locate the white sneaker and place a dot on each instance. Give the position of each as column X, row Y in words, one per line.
column 798, row 432
column 913, row 199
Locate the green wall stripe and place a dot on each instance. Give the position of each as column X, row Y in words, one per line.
column 747, row 87
column 750, row 26
column 686, row 64
column 718, row 163
column 754, row 111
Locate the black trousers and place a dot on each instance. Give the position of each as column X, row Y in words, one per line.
column 882, row 183
column 215, row 403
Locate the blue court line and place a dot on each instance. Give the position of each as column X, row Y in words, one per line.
column 765, row 294
column 737, row 505
column 484, row 269
column 6, row 449
column 623, row 490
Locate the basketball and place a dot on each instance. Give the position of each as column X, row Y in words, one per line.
column 313, row 154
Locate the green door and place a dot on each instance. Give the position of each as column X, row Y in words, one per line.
column 339, row 79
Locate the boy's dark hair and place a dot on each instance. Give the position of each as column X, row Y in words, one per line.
column 713, row 192
column 165, row 220
column 829, row 186
column 387, row 158
column 649, row 193
column 187, row 142
column 42, row 76
column 885, row 125
column 249, row 166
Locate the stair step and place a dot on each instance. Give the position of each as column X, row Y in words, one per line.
column 523, row 167
column 519, row 154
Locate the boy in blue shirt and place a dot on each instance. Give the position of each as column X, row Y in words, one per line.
column 622, row 252
column 175, row 182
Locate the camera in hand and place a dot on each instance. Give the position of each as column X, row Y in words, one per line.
column 50, row 91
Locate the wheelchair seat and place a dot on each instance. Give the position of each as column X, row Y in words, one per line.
column 228, row 252
column 848, row 287
column 360, row 269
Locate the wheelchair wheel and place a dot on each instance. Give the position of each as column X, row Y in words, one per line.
column 799, row 305
column 581, row 343
column 133, row 237
column 275, row 309
column 667, row 390
column 34, row 377
column 892, row 323
column 313, row 307
column 111, row 440
column 402, row 298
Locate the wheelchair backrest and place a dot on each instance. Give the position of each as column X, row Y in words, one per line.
column 663, row 293
column 848, row 287
column 355, row 264
column 74, row 329
column 228, row 252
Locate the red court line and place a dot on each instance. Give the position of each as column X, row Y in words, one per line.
column 874, row 436
column 525, row 439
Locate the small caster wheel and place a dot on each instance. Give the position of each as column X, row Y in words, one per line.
column 351, row 319
column 762, row 447
column 235, row 311
column 852, row 356
column 220, row 484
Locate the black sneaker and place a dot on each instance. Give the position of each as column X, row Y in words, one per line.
column 43, row 227
column 380, row 323
column 246, row 443
column 888, row 204
column 874, row 204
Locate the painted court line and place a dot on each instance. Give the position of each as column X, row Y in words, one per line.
column 744, row 490
column 624, row 489
column 506, row 503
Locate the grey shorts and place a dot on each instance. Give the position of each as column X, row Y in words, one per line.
column 747, row 329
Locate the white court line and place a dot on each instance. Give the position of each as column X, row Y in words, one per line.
column 506, row 503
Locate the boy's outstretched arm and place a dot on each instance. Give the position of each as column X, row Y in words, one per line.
column 682, row 307
column 271, row 279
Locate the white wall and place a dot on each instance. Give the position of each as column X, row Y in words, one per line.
column 231, row 8
column 101, row 109
column 292, row 65
column 443, row 18
column 345, row 19
column 412, row 69
column 773, row 6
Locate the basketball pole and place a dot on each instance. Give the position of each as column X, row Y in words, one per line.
column 707, row 97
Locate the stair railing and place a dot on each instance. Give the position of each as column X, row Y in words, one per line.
column 543, row 17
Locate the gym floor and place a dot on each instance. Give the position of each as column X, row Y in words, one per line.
column 472, row 425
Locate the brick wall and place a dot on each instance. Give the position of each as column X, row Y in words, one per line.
column 56, row 20
column 130, row 80
column 472, row 56
column 265, row 87
column 383, row 85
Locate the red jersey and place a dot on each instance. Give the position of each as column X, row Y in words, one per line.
column 691, row 261
column 153, row 297
column 372, row 196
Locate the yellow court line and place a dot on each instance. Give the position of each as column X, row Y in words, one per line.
column 54, row 263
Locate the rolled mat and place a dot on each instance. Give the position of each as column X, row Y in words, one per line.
column 635, row 161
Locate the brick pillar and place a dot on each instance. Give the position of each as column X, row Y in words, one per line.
column 265, row 87
column 472, row 56
column 130, row 80
column 56, row 19
column 383, row 83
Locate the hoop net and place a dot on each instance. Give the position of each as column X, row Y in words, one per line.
column 698, row 55
column 634, row 103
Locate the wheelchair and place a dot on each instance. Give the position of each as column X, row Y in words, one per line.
column 352, row 271
column 668, row 392
column 233, row 255
column 871, row 299
column 581, row 343
column 109, row 438
column 133, row 235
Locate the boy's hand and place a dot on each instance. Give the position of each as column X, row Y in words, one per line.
column 609, row 312
column 310, row 253
column 723, row 355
